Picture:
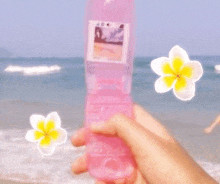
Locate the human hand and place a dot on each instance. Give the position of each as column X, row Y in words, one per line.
column 159, row 157
column 208, row 130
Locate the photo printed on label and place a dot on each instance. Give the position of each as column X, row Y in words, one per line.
column 108, row 41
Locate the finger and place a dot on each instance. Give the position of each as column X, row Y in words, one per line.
column 119, row 181
column 147, row 121
column 78, row 139
column 132, row 178
column 79, row 165
column 134, row 135
column 138, row 179
column 207, row 130
column 100, row 182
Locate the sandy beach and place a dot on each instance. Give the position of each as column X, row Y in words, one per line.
column 113, row 52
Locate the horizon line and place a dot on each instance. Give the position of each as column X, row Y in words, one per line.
column 22, row 57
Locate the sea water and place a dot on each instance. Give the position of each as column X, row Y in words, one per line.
column 64, row 90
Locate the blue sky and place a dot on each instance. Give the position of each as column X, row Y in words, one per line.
column 54, row 28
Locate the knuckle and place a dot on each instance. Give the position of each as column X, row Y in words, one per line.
column 118, row 117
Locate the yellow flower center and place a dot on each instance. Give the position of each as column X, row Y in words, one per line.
column 46, row 132
column 178, row 72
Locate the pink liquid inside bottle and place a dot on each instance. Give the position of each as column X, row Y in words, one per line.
column 109, row 53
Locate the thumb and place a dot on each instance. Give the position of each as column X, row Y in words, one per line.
column 139, row 139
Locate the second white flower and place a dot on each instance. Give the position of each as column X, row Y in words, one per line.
column 177, row 72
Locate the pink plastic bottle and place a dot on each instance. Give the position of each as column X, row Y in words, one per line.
column 109, row 53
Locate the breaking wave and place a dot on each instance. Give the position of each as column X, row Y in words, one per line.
column 33, row 70
column 217, row 68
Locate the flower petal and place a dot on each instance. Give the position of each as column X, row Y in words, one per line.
column 156, row 65
column 47, row 150
column 35, row 119
column 186, row 71
column 30, row 136
column 54, row 134
column 197, row 70
column 177, row 64
column 164, row 84
column 167, row 68
column 180, row 84
column 41, row 126
column 45, row 142
column 53, row 116
column 177, row 51
column 38, row 134
column 62, row 136
column 50, row 125
column 186, row 93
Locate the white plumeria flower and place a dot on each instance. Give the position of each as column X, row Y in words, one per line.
column 177, row 72
column 47, row 132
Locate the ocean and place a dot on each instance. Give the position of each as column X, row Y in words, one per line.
column 41, row 85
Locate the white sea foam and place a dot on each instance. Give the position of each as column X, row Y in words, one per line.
column 21, row 161
column 217, row 68
column 34, row 70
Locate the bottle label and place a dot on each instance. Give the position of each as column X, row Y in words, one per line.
column 107, row 41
